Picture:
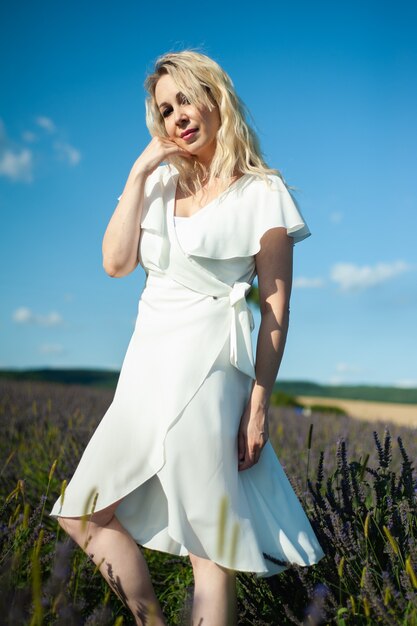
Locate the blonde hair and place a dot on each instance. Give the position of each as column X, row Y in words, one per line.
column 205, row 83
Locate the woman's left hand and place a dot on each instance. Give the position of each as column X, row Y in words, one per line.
column 253, row 435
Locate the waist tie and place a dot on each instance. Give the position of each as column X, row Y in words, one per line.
column 242, row 324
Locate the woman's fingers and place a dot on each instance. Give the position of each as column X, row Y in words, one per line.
column 249, row 451
column 241, row 446
column 171, row 147
column 159, row 149
column 177, row 150
column 246, row 458
column 252, row 437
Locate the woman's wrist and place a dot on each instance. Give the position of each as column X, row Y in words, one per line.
column 260, row 397
column 139, row 171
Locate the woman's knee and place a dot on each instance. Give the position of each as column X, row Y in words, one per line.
column 202, row 564
column 198, row 562
column 75, row 526
column 72, row 526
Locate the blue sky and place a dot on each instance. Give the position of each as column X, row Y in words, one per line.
column 332, row 92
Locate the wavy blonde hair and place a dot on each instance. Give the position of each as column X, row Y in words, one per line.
column 206, row 84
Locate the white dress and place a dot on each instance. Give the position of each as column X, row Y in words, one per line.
column 168, row 442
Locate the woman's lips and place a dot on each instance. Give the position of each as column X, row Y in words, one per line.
column 188, row 134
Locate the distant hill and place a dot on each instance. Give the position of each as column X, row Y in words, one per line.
column 92, row 377
column 372, row 393
column 109, row 378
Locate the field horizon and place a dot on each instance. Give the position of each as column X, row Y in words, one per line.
column 307, row 388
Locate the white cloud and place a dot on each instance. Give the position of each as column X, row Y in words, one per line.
column 46, row 123
column 346, row 368
column 52, row 319
column 67, row 152
column 308, row 283
column 336, row 380
column 336, row 217
column 344, row 373
column 406, row 383
column 17, row 160
column 16, row 165
column 23, row 315
column 350, row 277
column 29, row 136
column 51, row 348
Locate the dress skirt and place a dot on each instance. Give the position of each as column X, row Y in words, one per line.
column 199, row 502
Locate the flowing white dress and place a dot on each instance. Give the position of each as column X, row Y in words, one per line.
column 168, row 442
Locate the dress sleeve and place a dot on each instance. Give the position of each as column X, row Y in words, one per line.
column 276, row 207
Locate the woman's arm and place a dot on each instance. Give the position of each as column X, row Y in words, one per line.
column 121, row 239
column 274, row 264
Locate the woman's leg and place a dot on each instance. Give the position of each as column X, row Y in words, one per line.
column 214, row 594
column 119, row 560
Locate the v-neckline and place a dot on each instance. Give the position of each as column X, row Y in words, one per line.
column 231, row 187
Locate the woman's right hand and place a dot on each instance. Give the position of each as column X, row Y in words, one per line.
column 158, row 149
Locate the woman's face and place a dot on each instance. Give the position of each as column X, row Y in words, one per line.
column 192, row 128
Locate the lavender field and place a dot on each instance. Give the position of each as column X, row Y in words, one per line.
column 356, row 480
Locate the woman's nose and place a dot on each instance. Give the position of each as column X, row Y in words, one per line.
column 180, row 117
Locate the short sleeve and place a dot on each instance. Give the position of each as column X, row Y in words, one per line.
column 153, row 186
column 278, row 208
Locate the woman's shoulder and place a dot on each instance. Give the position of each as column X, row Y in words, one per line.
column 262, row 192
column 268, row 182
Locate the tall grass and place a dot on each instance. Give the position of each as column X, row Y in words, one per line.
column 357, row 484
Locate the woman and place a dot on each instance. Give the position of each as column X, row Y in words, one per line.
column 181, row 461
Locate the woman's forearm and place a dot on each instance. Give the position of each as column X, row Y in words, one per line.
column 121, row 239
column 269, row 351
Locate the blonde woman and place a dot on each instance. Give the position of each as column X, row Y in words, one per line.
column 181, row 461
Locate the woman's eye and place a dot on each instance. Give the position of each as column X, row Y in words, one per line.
column 166, row 112
column 184, row 100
